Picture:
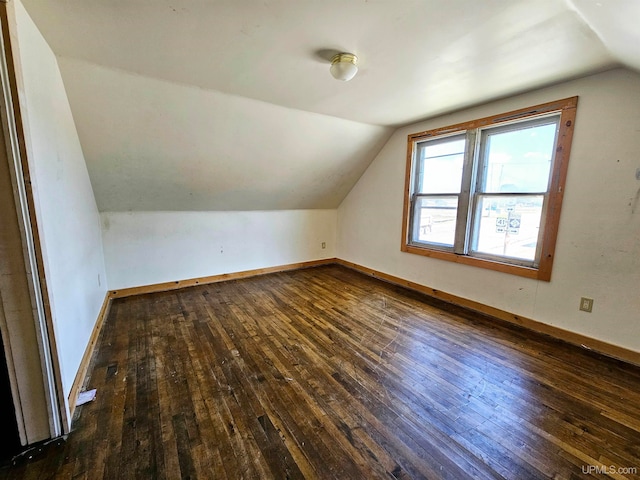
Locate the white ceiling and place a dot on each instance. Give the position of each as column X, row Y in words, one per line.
column 256, row 68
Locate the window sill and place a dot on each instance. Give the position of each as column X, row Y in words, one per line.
column 527, row 272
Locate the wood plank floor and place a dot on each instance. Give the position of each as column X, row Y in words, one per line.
column 326, row 373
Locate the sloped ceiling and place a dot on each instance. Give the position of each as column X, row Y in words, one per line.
column 155, row 145
column 228, row 105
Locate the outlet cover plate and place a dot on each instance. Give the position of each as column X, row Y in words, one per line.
column 586, row 304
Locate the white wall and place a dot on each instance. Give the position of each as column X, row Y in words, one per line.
column 598, row 249
column 66, row 211
column 143, row 248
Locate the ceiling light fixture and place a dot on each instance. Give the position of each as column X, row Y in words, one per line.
column 344, row 66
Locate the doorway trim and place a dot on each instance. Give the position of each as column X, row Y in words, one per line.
column 17, row 153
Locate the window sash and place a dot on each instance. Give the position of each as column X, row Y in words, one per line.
column 482, row 160
column 417, row 224
column 475, row 230
column 419, row 163
column 463, row 211
column 481, row 192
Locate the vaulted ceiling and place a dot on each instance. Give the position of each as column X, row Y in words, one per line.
column 229, row 105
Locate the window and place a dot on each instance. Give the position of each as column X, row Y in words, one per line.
column 488, row 192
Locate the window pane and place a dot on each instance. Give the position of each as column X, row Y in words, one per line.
column 519, row 160
column 440, row 165
column 435, row 220
column 508, row 225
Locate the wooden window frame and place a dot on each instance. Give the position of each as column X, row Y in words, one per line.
column 567, row 110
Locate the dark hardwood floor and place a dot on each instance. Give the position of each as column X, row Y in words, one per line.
column 326, row 373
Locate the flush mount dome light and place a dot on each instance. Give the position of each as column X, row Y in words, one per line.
column 344, row 66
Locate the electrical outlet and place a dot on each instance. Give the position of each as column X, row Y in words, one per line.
column 586, row 304
column 324, row 245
